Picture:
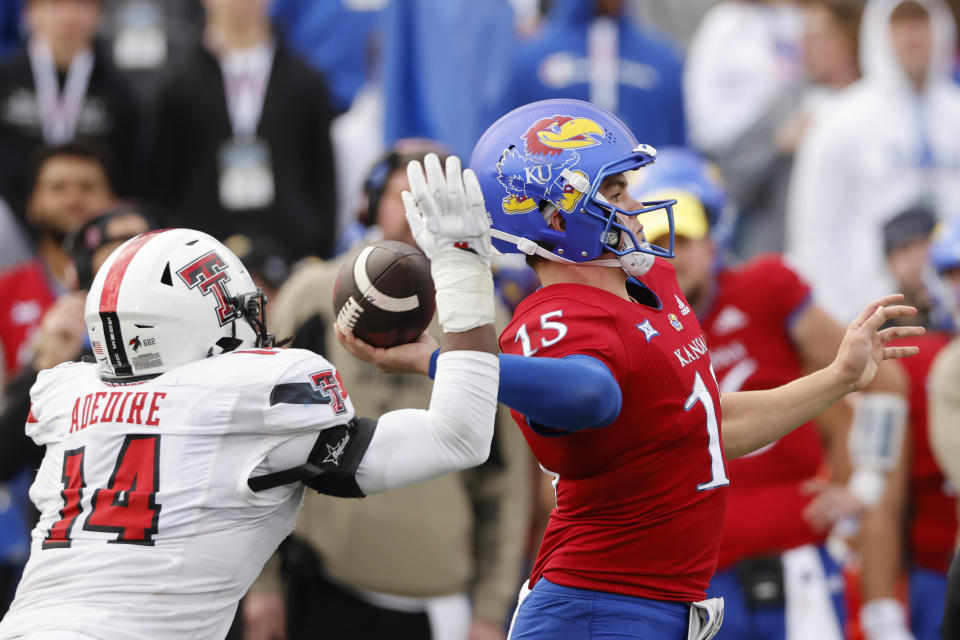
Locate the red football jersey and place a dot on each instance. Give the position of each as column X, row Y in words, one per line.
column 933, row 501
column 640, row 502
column 27, row 293
column 747, row 329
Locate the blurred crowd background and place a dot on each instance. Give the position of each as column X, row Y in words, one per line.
column 831, row 129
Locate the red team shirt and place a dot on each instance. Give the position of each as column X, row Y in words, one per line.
column 27, row 294
column 640, row 501
column 747, row 327
column 933, row 502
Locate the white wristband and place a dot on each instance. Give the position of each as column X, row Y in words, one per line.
column 867, row 485
column 884, row 618
column 465, row 298
column 879, row 422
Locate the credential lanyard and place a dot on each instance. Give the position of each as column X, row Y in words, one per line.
column 245, row 78
column 59, row 112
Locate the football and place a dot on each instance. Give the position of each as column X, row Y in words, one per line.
column 384, row 294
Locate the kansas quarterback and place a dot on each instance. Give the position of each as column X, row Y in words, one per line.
column 610, row 380
column 176, row 463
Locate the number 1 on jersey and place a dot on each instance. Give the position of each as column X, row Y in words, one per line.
column 73, row 484
column 718, row 475
column 127, row 506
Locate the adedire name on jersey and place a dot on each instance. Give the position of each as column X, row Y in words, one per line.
column 116, row 406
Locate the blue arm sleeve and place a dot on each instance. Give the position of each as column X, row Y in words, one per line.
column 563, row 394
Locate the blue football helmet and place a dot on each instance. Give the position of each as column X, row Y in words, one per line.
column 944, row 256
column 680, row 168
column 554, row 155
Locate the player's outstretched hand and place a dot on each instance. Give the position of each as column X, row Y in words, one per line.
column 413, row 357
column 450, row 223
column 446, row 212
column 864, row 345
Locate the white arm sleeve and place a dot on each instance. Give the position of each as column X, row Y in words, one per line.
column 412, row 445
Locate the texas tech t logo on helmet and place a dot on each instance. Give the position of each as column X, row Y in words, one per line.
column 209, row 274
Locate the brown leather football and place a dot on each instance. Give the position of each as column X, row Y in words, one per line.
column 384, row 294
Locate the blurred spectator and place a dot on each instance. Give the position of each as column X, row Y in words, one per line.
column 906, row 240
column 742, row 57
column 90, row 245
column 60, row 86
column 591, row 50
column 337, row 37
column 913, row 528
column 831, row 42
column 243, row 137
column 945, row 397
column 757, row 164
column 265, row 258
column 434, row 561
column 776, row 577
column 887, row 143
column 146, row 37
column 69, row 185
column 62, row 337
column 342, row 40
column 945, row 374
column 14, row 244
column 444, row 65
column 385, row 180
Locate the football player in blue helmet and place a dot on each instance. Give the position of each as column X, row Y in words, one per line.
column 541, row 168
column 620, row 402
column 944, row 399
column 944, row 284
column 685, row 170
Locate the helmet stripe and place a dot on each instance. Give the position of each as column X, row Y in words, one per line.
column 111, row 285
column 116, row 348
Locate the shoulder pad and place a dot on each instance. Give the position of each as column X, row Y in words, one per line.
column 270, row 390
column 42, row 424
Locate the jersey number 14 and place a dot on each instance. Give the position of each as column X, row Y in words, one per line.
column 127, row 506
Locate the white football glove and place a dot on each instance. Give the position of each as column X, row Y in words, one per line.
column 450, row 224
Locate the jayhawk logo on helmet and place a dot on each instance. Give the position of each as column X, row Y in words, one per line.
column 550, row 147
column 552, row 136
column 560, row 152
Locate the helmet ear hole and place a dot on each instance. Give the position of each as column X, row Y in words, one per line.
column 548, row 210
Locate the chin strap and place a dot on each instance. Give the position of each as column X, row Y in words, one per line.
column 635, row 263
column 529, row 247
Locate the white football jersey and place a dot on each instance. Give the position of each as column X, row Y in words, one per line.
column 148, row 528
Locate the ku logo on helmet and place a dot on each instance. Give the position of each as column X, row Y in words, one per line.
column 209, row 274
column 550, row 148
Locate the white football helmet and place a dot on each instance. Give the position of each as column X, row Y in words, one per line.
column 167, row 298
